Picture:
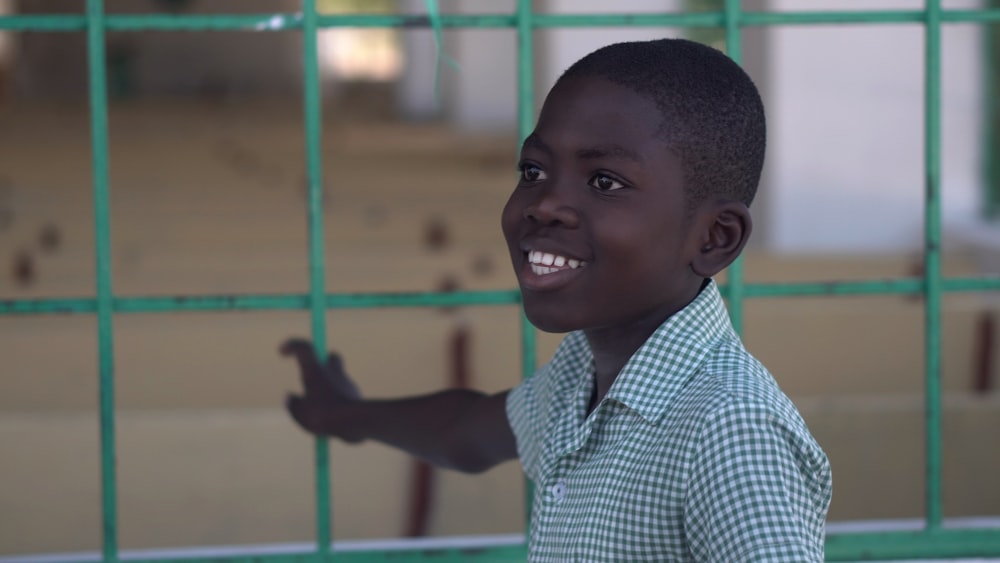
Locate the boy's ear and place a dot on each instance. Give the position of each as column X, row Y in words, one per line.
column 725, row 229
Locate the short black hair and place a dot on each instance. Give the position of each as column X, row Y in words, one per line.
column 713, row 117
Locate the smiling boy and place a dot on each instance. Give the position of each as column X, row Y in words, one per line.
column 652, row 434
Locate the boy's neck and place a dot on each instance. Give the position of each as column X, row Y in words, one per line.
column 613, row 347
column 612, row 350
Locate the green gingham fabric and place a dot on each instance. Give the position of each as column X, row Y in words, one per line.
column 695, row 454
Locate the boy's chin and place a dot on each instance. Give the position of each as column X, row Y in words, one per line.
column 544, row 321
column 553, row 330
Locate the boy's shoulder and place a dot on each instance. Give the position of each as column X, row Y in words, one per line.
column 735, row 375
column 733, row 390
column 749, row 446
column 732, row 378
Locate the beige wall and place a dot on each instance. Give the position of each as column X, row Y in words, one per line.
column 208, row 200
column 212, row 65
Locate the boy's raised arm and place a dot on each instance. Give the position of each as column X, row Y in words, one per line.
column 458, row 429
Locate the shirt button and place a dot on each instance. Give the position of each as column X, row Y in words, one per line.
column 558, row 491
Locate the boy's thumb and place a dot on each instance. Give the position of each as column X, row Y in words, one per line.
column 293, row 404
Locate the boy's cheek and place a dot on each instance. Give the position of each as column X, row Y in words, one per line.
column 509, row 219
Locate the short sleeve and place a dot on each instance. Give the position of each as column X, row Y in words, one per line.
column 759, row 489
column 522, row 413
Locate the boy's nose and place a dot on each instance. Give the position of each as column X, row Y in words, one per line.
column 549, row 209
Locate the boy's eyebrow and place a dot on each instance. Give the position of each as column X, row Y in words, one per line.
column 535, row 142
column 612, row 150
column 602, row 151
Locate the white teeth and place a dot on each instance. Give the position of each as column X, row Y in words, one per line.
column 539, row 270
column 545, row 263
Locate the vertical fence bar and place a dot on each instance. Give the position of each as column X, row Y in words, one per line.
column 734, row 39
column 525, row 69
column 734, row 48
column 525, row 122
column 991, row 136
column 932, row 259
column 317, row 279
column 97, row 76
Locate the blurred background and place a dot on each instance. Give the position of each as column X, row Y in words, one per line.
column 208, row 197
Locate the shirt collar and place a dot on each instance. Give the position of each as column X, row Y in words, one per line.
column 674, row 352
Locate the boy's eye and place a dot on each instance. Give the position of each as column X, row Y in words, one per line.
column 531, row 173
column 606, row 183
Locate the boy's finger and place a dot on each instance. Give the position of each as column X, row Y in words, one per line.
column 304, row 354
column 293, row 404
column 308, row 418
column 335, row 362
column 294, row 345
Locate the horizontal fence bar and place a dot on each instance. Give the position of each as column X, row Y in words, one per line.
column 486, row 554
column 287, row 21
column 262, row 302
column 928, row 544
column 905, row 286
column 870, row 546
column 492, row 547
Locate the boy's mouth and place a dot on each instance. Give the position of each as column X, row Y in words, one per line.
column 544, row 263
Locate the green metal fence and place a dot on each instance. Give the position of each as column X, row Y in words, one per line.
column 992, row 44
column 933, row 541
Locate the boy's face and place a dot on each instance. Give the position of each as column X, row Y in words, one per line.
column 596, row 227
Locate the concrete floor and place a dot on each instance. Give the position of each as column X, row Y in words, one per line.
column 210, row 200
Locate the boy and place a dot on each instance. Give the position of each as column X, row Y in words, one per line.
column 652, row 435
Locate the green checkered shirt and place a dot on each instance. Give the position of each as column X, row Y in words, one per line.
column 695, row 454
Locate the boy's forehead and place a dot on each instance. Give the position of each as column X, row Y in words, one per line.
column 584, row 96
column 597, row 107
column 583, row 89
column 601, row 149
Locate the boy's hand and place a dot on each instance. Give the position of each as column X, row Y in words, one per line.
column 326, row 388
